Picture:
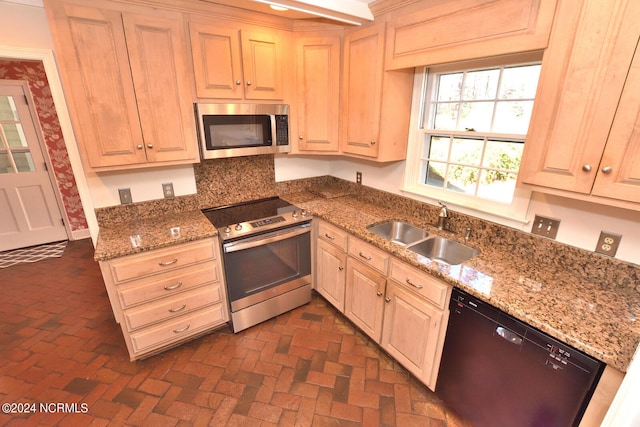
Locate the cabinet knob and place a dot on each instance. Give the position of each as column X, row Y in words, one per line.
column 238, row 82
column 379, row 293
column 586, row 168
column 300, row 137
column 387, row 299
column 373, row 142
column 607, row 170
column 341, row 268
column 139, row 147
column 150, row 145
column 249, row 83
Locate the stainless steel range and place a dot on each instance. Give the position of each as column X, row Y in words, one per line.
column 266, row 246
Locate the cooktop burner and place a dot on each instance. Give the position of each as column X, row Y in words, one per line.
column 253, row 217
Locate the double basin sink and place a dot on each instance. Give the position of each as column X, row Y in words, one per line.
column 415, row 239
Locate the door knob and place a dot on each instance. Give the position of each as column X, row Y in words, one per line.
column 238, row 82
column 249, row 83
column 607, row 170
column 586, row 168
column 150, row 145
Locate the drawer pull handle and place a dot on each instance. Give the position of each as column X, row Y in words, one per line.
column 329, row 236
column 177, row 309
column 413, row 284
column 177, row 331
column 166, row 263
column 368, row 258
column 379, row 293
column 172, row 287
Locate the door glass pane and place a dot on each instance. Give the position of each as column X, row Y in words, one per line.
column 23, row 161
column 14, row 134
column 5, row 164
column 8, row 110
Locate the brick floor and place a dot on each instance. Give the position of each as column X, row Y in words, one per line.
column 60, row 347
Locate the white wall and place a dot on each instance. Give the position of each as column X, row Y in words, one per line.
column 24, row 26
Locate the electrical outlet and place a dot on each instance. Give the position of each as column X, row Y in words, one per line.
column 358, row 177
column 167, row 190
column 547, row 227
column 608, row 243
column 125, row 196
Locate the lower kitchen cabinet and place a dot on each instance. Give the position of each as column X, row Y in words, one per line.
column 166, row 296
column 413, row 332
column 364, row 300
column 400, row 307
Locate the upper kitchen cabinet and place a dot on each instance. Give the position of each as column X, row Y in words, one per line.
column 376, row 104
column 437, row 32
column 318, row 91
column 237, row 64
column 126, row 78
column 583, row 139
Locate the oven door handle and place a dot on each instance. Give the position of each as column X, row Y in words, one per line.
column 265, row 239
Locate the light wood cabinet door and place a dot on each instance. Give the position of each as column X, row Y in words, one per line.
column 331, row 273
column 619, row 174
column 92, row 52
column 262, row 61
column 128, row 82
column 318, row 92
column 363, row 59
column 157, row 49
column 413, row 333
column 579, row 94
column 376, row 104
column 364, row 300
column 217, row 61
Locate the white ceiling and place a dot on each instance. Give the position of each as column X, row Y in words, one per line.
column 343, row 7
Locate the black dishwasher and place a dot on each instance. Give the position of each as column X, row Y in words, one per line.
column 497, row 371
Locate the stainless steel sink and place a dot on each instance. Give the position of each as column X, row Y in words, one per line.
column 398, row 232
column 443, row 249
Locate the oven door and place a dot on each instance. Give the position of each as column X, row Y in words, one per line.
column 268, row 265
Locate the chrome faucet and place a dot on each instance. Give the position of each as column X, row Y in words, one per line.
column 443, row 217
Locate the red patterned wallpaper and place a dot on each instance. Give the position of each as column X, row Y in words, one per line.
column 34, row 73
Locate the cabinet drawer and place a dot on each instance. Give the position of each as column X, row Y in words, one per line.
column 168, row 308
column 161, row 260
column 369, row 255
column 176, row 330
column 333, row 235
column 411, row 278
column 165, row 285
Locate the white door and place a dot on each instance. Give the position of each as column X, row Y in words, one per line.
column 29, row 212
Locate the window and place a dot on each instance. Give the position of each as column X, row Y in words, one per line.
column 471, row 124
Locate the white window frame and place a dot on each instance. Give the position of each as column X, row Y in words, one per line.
column 513, row 215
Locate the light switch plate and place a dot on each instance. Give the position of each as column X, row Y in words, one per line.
column 547, row 227
column 125, row 196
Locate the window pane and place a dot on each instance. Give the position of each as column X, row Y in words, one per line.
column 435, row 174
column 5, row 164
column 8, row 111
column 481, row 85
column 503, row 155
column 476, row 116
column 462, row 179
column 24, row 162
column 438, row 148
column 512, row 117
column 497, row 186
column 467, row 151
column 445, row 116
column 14, row 134
column 519, row 82
column 448, row 88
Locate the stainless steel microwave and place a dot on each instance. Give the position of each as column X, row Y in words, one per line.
column 233, row 130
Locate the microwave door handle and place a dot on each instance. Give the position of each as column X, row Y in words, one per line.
column 274, row 135
column 264, row 239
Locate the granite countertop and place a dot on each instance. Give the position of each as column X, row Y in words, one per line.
column 576, row 309
column 155, row 233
